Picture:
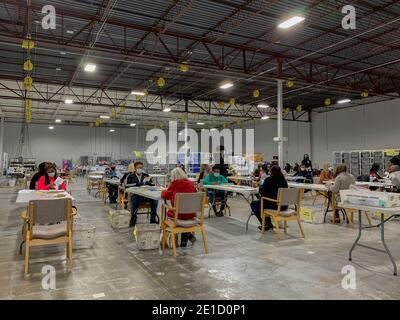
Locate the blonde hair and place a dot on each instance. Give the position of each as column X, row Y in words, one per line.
column 131, row 167
column 178, row 174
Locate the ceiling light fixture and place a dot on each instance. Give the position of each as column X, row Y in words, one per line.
column 51, row 127
column 90, row 67
column 200, row 123
column 344, row 101
column 167, row 109
column 133, row 124
column 263, row 106
column 226, row 85
column 105, row 117
column 291, row 22
column 58, row 120
column 112, row 130
column 265, row 118
column 69, row 101
column 138, row 93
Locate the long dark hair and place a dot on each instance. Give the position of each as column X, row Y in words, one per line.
column 276, row 171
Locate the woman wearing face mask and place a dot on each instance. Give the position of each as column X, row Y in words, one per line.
column 46, row 182
column 326, row 174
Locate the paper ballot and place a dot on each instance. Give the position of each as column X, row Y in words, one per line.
column 58, row 182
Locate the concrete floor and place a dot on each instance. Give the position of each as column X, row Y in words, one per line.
column 240, row 265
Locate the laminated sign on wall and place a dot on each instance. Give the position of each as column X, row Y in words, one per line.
column 306, row 214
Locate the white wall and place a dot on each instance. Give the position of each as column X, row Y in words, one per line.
column 298, row 134
column 71, row 142
column 373, row 126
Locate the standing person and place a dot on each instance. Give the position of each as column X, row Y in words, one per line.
column 204, row 171
column 35, row 178
column 343, row 181
column 307, row 162
column 326, row 174
column 113, row 173
column 180, row 184
column 269, row 189
column 137, row 179
column 212, row 179
column 47, row 181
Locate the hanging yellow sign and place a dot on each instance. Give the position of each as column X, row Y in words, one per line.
column 161, row 82
column 232, row 101
column 256, row 93
column 28, row 44
column 392, row 152
column 184, row 67
column 28, row 66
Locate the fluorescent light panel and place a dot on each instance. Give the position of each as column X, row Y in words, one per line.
column 344, row 101
column 265, row 118
column 58, row 120
column 90, row 67
column 137, row 93
column 167, row 109
column 133, row 124
column 104, row 117
column 69, row 101
column 226, row 85
column 51, row 127
column 291, row 22
column 263, row 106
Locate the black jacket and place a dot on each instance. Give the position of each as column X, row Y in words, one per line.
column 270, row 189
column 131, row 179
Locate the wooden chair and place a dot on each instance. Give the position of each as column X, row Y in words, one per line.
column 185, row 203
column 103, row 190
column 48, row 222
column 286, row 197
column 347, row 213
column 316, row 180
column 122, row 200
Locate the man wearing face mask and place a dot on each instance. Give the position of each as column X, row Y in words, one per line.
column 214, row 178
column 47, row 181
column 137, row 179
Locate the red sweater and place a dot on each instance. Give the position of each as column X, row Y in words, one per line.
column 41, row 184
column 179, row 186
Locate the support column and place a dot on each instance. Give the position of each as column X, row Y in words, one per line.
column 1, row 144
column 280, row 122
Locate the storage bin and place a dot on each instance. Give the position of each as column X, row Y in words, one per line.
column 12, row 182
column 83, row 236
column 119, row 218
column 370, row 198
column 147, row 236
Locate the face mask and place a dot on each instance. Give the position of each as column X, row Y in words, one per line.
column 139, row 171
column 216, row 174
column 51, row 174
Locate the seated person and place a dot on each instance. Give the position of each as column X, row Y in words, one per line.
column 303, row 172
column 394, row 176
column 137, row 179
column 113, row 173
column 269, row 189
column 326, row 174
column 35, row 178
column 343, row 181
column 204, row 171
column 180, row 184
column 216, row 178
column 47, row 181
column 373, row 173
